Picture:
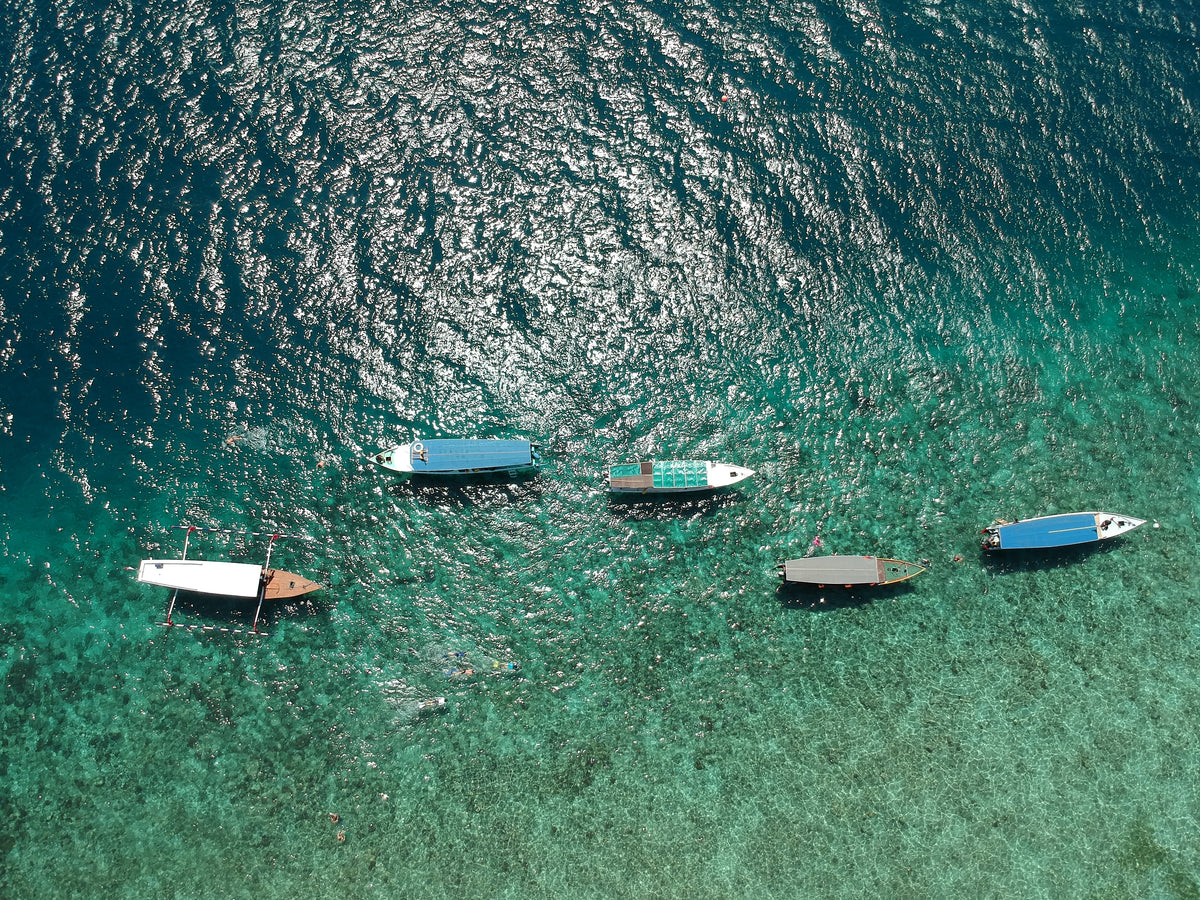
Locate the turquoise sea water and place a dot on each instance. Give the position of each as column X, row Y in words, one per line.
column 919, row 265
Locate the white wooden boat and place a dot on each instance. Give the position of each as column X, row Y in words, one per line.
column 224, row 579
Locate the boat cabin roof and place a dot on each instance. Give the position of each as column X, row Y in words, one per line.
column 1050, row 531
column 463, row 455
column 203, row 576
column 834, row 570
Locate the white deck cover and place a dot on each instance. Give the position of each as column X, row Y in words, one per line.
column 202, row 576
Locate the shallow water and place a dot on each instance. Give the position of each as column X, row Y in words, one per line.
column 919, row 267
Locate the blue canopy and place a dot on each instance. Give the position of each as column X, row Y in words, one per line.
column 1049, row 531
column 462, row 456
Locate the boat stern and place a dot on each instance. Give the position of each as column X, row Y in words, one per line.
column 991, row 538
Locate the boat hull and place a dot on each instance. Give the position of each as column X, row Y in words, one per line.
column 1064, row 530
column 223, row 579
column 674, row 476
column 459, row 457
column 848, row 571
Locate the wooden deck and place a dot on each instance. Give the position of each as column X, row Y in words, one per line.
column 280, row 585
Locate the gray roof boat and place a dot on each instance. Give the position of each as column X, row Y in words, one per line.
column 848, row 570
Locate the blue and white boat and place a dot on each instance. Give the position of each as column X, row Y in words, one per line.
column 1065, row 530
column 674, row 476
column 460, row 457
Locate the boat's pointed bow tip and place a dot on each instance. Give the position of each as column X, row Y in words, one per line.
column 381, row 455
column 1125, row 523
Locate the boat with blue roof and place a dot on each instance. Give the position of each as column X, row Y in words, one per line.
column 674, row 476
column 1064, row 530
column 457, row 456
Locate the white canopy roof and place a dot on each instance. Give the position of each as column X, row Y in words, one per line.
column 202, row 576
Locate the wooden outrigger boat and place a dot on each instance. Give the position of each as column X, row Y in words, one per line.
column 848, row 571
column 674, row 476
column 224, row 579
column 460, row 456
column 1064, row 530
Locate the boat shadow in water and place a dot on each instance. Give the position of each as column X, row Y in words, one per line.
column 640, row 507
column 831, row 597
column 1007, row 562
column 469, row 490
column 211, row 612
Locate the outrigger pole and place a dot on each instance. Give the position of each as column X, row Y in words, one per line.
column 264, row 580
column 266, row 576
column 267, row 534
column 187, row 537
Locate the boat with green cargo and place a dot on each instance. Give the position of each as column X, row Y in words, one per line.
column 674, row 476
